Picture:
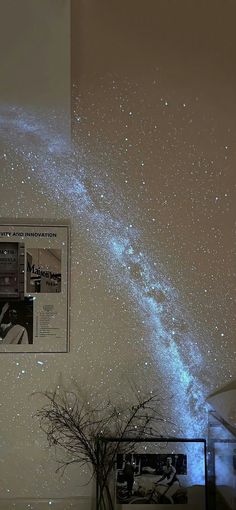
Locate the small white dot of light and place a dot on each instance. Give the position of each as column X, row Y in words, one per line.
column 22, row 182
column 217, row 198
column 166, row 103
column 126, row 139
column 40, row 363
column 222, row 334
column 184, row 104
column 130, row 226
column 130, row 113
column 173, row 332
column 50, row 502
column 17, row 363
column 205, row 290
column 23, row 371
column 102, row 196
column 146, row 363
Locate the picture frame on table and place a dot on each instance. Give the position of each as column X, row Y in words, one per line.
column 160, row 472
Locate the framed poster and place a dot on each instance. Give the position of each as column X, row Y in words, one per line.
column 157, row 472
column 34, row 288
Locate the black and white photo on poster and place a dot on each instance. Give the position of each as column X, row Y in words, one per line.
column 16, row 321
column 12, row 264
column 151, row 479
column 43, row 270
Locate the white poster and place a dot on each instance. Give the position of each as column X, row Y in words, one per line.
column 34, row 288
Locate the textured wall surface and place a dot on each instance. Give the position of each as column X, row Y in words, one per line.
column 148, row 183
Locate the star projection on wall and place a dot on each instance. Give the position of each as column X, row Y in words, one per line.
column 117, row 211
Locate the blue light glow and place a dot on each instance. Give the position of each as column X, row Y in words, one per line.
column 172, row 340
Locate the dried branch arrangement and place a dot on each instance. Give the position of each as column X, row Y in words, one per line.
column 76, row 426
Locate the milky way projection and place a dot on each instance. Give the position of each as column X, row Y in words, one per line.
column 99, row 208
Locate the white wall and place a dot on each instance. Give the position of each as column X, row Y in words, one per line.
column 35, row 53
column 150, row 195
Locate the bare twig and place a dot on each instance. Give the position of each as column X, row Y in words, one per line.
column 76, row 427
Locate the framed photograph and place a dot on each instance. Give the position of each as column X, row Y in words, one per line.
column 34, row 288
column 157, row 472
